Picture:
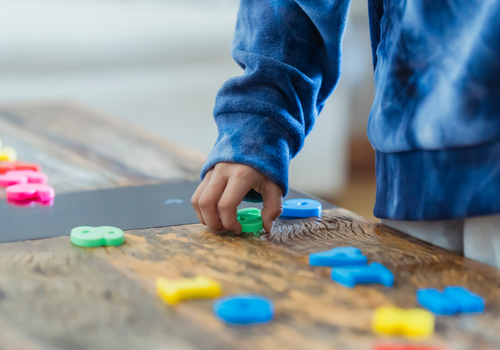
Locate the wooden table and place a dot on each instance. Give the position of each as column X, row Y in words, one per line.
column 54, row 295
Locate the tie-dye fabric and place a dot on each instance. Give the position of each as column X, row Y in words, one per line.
column 435, row 121
column 437, row 75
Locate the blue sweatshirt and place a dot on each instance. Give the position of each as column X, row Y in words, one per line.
column 435, row 120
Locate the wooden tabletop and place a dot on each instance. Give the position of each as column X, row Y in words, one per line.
column 54, row 295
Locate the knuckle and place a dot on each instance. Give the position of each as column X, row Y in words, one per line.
column 221, row 168
column 205, row 202
column 278, row 211
column 225, row 205
column 243, row 172
column 275, row 212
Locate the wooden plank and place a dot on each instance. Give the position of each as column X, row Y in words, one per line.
column 57, row 296
column 80, row 149
column 61, row 294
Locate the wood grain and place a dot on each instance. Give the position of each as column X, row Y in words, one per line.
column 80, row 149
column 57, row 296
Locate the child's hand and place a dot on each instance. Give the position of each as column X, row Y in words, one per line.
column 223, row 189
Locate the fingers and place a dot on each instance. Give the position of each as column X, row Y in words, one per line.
column 234, row 193
column 195, row 199
column 209, row 201
column 273, row 204
column 217, row 197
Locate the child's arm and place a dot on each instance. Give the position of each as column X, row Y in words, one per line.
column 290, row 51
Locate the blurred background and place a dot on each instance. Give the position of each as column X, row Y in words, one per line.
column 160, row 63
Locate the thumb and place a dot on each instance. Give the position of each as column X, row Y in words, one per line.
column 273, row 204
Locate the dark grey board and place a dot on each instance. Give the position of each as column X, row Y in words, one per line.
column 128, row 208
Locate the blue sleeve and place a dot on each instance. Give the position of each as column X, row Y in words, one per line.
column 290, row 53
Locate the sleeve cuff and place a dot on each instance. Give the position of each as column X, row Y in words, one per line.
column 256, row 141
